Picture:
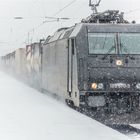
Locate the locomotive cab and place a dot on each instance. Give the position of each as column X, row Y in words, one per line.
column 108, row 62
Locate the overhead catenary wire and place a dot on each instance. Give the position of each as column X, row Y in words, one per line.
column 45, row 17
column 56, row 19
column 36, row 27
column 64, row 7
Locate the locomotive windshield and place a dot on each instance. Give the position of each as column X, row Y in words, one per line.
column 102, row 43
column 106, row 43
column 129, row 43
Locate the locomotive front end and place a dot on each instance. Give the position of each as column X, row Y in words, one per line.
column 109, row 67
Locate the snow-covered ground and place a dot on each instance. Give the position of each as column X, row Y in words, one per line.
column 26, row 114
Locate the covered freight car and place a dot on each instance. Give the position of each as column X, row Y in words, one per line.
column 33, row 64
column 15, row 63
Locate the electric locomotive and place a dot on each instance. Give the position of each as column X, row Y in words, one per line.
column 96, row 64
column 93, row 65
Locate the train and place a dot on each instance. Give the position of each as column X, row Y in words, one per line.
column 90, row 65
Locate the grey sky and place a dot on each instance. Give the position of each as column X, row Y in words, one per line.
column 14, row 33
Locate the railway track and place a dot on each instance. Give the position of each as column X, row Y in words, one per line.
column 130, row 131
column 125, row 129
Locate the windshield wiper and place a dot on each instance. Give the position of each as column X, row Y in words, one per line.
column 126, row 50
column 113, row 47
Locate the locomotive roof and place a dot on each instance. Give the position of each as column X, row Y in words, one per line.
column 101, row 28
column 131, row 28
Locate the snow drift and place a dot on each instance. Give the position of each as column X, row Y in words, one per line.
column 26, row 114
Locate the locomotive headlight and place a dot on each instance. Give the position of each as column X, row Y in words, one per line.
column 94, row 86
column 119, row 62
column 138, row 86
column 100, row 86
